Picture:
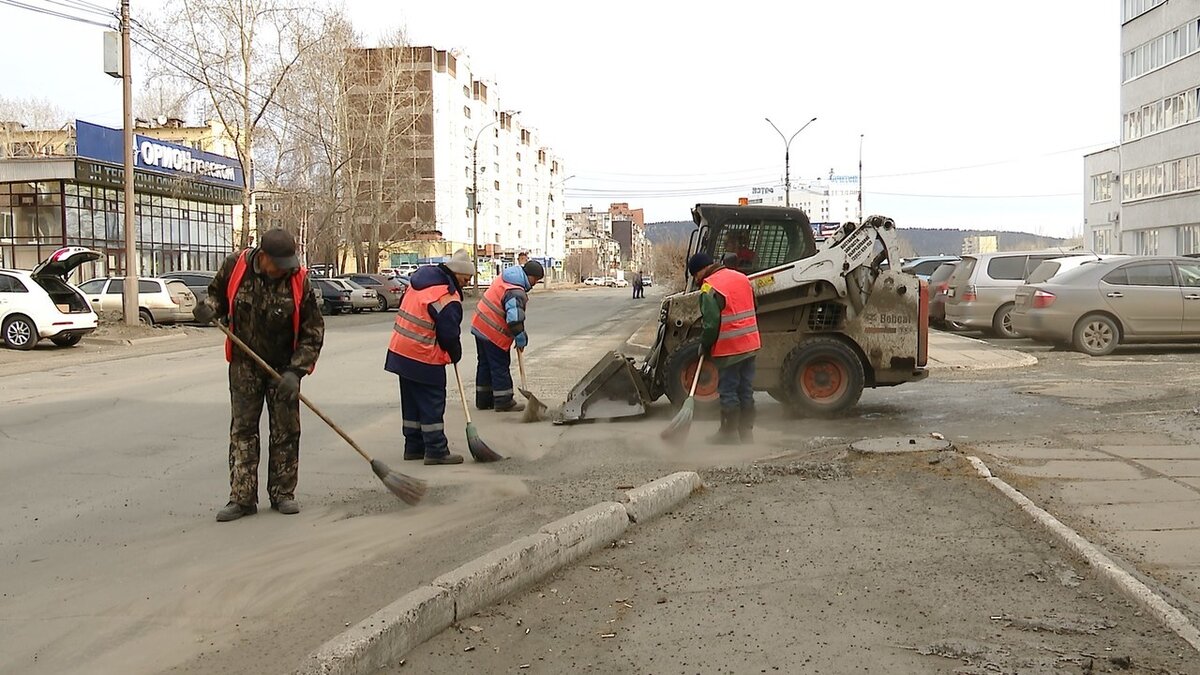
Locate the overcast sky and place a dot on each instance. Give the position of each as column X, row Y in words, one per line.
column 647, row 100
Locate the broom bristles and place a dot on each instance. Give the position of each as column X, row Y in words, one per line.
column 407, row 488
column 535, row 410
column 480, row 450
column 681, row 424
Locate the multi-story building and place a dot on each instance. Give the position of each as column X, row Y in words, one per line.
column 825, row 200
column 629, row 230
column 1143, row 196
column 456, row 149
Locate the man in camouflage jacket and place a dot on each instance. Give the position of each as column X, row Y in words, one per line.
column 259, row 293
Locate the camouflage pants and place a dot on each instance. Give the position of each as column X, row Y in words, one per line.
column 249, row 387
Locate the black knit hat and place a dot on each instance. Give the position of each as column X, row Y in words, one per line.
column 698, row 262
column 533, row 269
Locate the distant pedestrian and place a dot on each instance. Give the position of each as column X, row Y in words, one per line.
column 499, row 323
column 638, row 290
column 730, row 337
column 264, row 295
column 425, row 338
column 522, row 258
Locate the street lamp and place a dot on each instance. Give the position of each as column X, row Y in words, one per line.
column 549, row 197
column 787, row 145
column 475, row 192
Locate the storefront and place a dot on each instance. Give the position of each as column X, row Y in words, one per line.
column 184, row 209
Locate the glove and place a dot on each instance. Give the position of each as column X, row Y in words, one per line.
column 522, row 340
column 455, row 353
column 204, row 313
column 289, row 386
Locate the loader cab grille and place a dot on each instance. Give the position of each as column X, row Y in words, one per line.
column 759, row 244
column 826, row 316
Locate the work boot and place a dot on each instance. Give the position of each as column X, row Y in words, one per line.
column 728, row 433
column 234, row 510
column 410, row 456
column 746, row 425
column 513, row 406
column 286, row 506
column 449, row 458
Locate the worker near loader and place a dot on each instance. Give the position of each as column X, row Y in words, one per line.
column 499, row 323
column 730, row 338
column 425, row 339
column 264, row 296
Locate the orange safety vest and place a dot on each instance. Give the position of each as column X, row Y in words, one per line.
column 489, row 314
column 235, row 281
column 413, row 334
column 739, row 325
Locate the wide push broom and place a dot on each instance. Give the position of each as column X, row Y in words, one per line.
column 479, row 450
column 535, row 410
column 410, row 489
column 678, row 430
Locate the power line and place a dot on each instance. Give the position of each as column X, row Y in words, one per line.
column 56, row 14
column 1040, row 196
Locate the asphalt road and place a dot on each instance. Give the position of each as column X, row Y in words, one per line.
column 111, row 560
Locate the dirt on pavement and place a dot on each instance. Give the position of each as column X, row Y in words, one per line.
column 886, row 564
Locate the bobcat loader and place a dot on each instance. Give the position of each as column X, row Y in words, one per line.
column 833, row 319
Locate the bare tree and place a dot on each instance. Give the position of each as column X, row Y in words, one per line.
column 165, row 97
column 240, row 53
column 670, row 264
column 32, row 127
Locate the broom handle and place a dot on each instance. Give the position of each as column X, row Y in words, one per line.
column 267, row 367
column 462, row 394
column 521, row 367
column 696, row 379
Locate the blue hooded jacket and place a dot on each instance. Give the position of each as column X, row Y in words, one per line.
column 515, row 301
column 447, row 326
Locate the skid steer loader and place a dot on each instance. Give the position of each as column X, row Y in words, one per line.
column 832, row 317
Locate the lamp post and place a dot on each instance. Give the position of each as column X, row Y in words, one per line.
column 475, row 192
column 549, row 198
column 787, row 145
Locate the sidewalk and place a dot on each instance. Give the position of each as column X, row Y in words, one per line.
column 869, row 565
column 956, row 352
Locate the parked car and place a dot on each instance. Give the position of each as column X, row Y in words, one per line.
column 594, row 281
column 405, row 270
column 41, row 304
column 615, row 283
column 939, row 288
column 924, row 266
column 335, row 298
column 1119, row 300
column 388, row 290
column 197, row 281
column 361, row 298
column 983, row 285
column 647, row 280
column 160, row 300
column 1055, row 266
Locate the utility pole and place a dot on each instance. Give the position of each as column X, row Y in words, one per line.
column 860, row 178
column 787, row 146
column 475, row 193
column 131, row 259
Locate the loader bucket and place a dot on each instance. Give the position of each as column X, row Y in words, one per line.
column 612, row 388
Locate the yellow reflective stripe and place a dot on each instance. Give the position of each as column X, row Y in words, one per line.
column 423, row 339
column 423, row 323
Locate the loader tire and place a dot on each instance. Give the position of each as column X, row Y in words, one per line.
column 681, row 368
column 823, row 377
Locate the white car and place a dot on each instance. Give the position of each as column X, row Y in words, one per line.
column 41, row 304
column 616, row 283
column 594, row 281
column 360, row 298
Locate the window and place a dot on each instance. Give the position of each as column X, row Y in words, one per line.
column 1008, row 267
column 467, row 111
column 1161, row 51
column 1189, row 274
column 1189, row 239
column 1146, row 242
column 92, row 287
column 1152, row 274
column 1102, row 187
column 1100, row 241
column 11, row 285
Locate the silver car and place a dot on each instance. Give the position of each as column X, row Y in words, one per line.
column 159, row 300
column 1098, row 306
column 360, row 298
column 983, row 285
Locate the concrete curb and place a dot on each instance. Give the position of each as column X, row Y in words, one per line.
column 1135, row 590
column 386, row 636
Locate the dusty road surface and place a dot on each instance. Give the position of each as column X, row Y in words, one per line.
column 112, row 562
column 880, row 564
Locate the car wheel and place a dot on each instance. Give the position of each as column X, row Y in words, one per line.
column 823, row 377
column 146, row 318
column 681, row 370
column 1002, row 323
column 20, row 333
column 1096, row 335
column 67, row 340
column 382, row 306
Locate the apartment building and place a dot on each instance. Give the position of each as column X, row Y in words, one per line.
column 1143, row 196
column 824, row 200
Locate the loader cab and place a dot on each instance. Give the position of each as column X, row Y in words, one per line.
column 752, row 238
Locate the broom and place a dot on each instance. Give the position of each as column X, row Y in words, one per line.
column 410, row 489
column 479, row 450
column 536, row 409
column 682, row 423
